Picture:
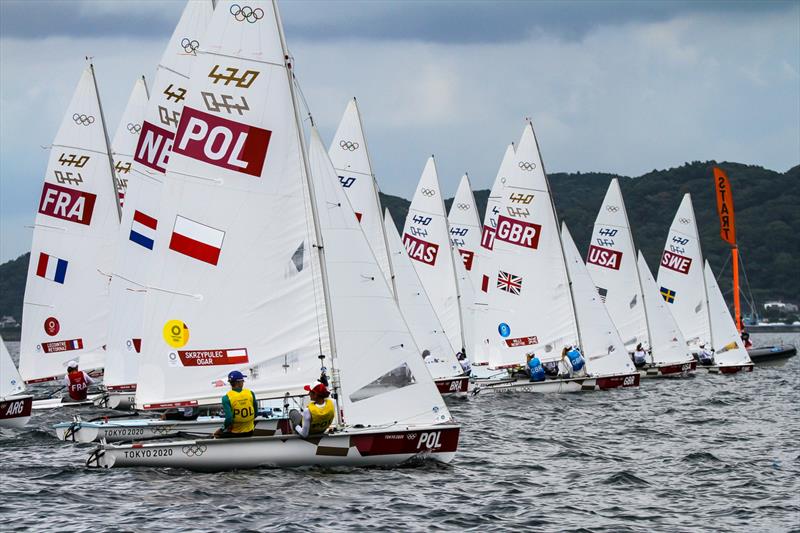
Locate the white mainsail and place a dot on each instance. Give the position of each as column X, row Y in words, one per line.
column 465, row 227
column 66, row 306
column 382, row 376
column 417, row 309
column 427, row 240
column 611, row 261
column 466, row 298
column 126, row 138
column 529, row 301
column 10, row 381
column 680, row 276
column 728, row 347
column 348, row 152
column 666, row 340
column 136, row 240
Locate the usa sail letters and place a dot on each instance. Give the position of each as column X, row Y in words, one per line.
column 419, row 250
column 676, row 262
column 604, row 257
column 517, row 232
column 222, row 142
column 67, row 204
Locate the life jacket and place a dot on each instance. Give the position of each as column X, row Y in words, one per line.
column 244, row 412
column 575, row 359
column 77, row 386
column 321, row 416
column 536, row 369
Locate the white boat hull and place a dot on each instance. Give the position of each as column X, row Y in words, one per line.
column 118, row 400
column 126, row 430
column 15, row 411
column 57, row 403
column 452, row 385
column 668, row 370
column 576, row 384
column 352, row 447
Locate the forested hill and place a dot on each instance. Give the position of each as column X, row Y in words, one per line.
column 767, row 222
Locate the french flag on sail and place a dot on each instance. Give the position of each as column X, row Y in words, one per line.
column 143, row 230
column 52, row 268
column 196, row 240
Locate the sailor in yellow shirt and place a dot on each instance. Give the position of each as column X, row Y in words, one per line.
column 239, row 405
column 317, row 416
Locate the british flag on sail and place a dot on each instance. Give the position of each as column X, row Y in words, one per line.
column 509, row 282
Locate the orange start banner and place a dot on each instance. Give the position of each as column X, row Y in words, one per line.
column 727, row 226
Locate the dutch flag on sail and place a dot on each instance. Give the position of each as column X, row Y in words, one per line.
column 196, row 240
column 52, row 268
column 143, row 230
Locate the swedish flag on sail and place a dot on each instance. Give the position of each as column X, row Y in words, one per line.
column 668, row 295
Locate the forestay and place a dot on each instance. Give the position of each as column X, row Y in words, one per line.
column 417, row 310
column 382, row 376
column 235, row 284
column 137, row 238
column 426, row 238
column 727, row 343
column 10, row 381
column 125, row 139
column 348, row 152
column 666, row 340
column 680, row 276
column 66, row 306
column 611, row 262
column 600, row 342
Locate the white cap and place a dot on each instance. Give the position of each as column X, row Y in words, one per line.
column 72, row 364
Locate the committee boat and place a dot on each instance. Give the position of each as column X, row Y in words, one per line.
column 320, row 299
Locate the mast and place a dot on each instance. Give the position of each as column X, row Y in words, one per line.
column 736, row 304
column 108, row 144
column 377, row 200
column 315, row 216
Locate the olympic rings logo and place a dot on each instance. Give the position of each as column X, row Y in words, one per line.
column 612, row 208
column 195, row 450
column 348, row 145
column 82, row 120
column 684, row 220
column 526, row 166
column 427, row 192
column 463, row 207
column 246, row 13
column 134, row 128
column 190, row 46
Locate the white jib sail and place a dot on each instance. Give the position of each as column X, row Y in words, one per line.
column 136, row 241
column 426, row 237
column 465, row 227
column 417, row 310
column 348, row 152
column 680, row 276
column 10, row 381
column 611, row 261
column 126, row 138
column 466, row 293
column 601, row 343
column 235, row 284
column 66, row 307
column 728, row 346
column 666, row 340
column 530, row 307
column 382, row 376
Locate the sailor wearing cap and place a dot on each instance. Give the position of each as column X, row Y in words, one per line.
column 317, row 416
column 77, row 382
column 239, row 405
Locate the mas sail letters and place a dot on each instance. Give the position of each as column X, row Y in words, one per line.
column 420, row 250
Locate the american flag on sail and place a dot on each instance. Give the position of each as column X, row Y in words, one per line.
column 603, row 293
column 509, row 282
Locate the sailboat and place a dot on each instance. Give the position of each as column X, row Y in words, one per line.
column 277, row 279
column 694, row 297
column 66, row 306
column 636, row 307
column 15, row 407
column 536, row 295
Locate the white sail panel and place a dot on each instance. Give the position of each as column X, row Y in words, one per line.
column 417, row 310
column 383, row 377
column 530, row 307
column 666, row 340
column 600, row 342
column 348, row 152
column 680, row 276
column 10, row 381
column 66, row 306
column 611, row 261
column 136, row 241
column 126, row 138
column 251, row 301
column 728, row 347
column 426, row 237
column 465, row 227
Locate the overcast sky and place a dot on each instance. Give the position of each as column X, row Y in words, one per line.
column 614, row 86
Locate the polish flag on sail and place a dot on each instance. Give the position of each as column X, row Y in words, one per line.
column 196, row 240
